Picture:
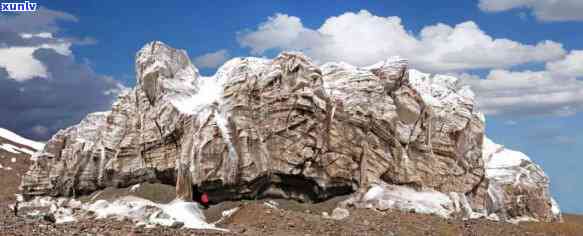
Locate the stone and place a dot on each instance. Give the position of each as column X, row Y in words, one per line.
column 339, row 213
column 286, row 128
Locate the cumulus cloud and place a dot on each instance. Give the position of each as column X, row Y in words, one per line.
column 570, row 66
column 42, row 87
column 545, row 10
column 524, row 93
column 212, row 60
column 20, row 62
column 363, row 38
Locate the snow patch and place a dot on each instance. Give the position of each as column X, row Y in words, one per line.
column 209, row 92
column 187, row 213
column 129, row 206
column 440, row 90
column 14, row 149
column 4, row 133
column 508, row 166
column 10, row 148
column 408, row 199
column 142, row 210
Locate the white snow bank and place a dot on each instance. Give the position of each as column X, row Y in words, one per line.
column 10, row 148
column 7, row 134
column 130, row 207
column 147, row 212
column 508, row 166
column 408, row 199
column 188, row 213
column 14, row 149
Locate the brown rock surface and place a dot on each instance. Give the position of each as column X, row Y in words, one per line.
column 274, row 128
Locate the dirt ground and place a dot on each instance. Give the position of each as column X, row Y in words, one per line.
column 256, row 218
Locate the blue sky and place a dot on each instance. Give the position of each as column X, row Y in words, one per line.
column 522, row 58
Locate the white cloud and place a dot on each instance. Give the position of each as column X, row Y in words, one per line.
column 362, row 38
column 278, row 31
column 212, row 60
column 545, row 10
column 20, row 62
column 45, row 35
column 36, row 107
column 570, row 66
column 526, row 93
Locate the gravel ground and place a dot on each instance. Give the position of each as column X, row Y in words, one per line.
column 255, row 218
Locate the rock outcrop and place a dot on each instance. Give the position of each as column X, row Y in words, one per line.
column 287, row 128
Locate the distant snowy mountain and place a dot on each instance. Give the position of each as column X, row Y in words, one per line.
column 15, row 144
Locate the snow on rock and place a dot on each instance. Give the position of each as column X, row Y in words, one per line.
column 504, row 165
column 10, row 148
column 518, row 188
column 14, row 149
column 517, row 192
column 7, row 134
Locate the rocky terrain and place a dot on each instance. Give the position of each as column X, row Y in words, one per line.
column 288, row 218
column 388, row 140
column 255, row 217
column 14, row 160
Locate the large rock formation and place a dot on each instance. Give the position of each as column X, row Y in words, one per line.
column 288, row 128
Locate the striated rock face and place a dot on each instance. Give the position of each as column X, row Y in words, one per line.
column 287, row 128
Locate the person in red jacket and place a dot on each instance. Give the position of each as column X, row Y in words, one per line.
column 204, row 200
